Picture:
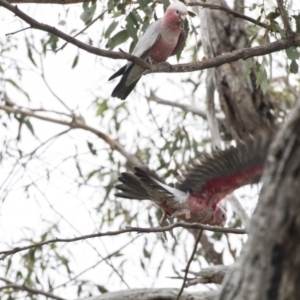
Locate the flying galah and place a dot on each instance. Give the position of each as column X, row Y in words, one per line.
column 162, row 39
column 196, row 195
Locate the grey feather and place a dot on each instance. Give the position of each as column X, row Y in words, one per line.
column 131, row 72
column 248, row 154
column 141, row 185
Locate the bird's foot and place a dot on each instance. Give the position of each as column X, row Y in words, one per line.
column 150, row 61
column 168, row 65
column 163, row 222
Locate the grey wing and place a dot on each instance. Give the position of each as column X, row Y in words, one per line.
column 142, row 48
column 220, row 168
column 147, row 40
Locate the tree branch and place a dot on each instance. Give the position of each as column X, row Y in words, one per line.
column 84, row 29
column 229, row 11
column 184, row 107
column 228, row 57
column 78, row 124
column 154, row 294
column 50, row 29
column 159, row 68
column 285, row 18
column 32, row 291
column 129, row 229
column 189, row 263
column 204, row 5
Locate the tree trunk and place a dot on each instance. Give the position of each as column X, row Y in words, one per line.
column 270, row 262
column 245, row 107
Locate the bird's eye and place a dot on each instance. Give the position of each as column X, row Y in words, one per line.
column 223, row 216
column 177, row 11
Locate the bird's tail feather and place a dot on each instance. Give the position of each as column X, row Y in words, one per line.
column 118, row 73
column 143, row 184
column 130, row 187
column 121, row 90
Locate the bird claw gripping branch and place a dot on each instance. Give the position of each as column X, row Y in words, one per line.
column 162, row 39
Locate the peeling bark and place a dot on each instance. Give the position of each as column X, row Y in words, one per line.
column 245, row 107
column 213, row 274
column 269, row 265
column 154, row 294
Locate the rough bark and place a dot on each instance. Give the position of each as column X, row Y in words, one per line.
column 213, row 274
column 269, row 265
column 154, row 294
column 245, row 107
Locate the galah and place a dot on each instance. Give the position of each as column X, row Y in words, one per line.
column 162, row 39
column 196, row 195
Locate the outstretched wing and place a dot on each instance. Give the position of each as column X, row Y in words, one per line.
column 219, row 174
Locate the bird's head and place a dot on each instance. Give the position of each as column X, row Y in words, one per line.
column 178, row 9
column 220, row 216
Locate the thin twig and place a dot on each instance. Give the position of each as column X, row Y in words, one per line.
column 83, row 30
column 184, row 107
column 189, row 263
column 49, row 87
column 96, row 264
column 23, row 29
column 198, row 226
column 78, row 124
column 30, row 290
column 47, row 28
column 229, row 11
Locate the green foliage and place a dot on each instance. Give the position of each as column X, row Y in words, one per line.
column 293, row 55
column 89, row 9
column 261, row 77
column 165, row 138
column 119, row 38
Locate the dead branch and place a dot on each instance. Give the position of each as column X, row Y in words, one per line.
column 198, row 226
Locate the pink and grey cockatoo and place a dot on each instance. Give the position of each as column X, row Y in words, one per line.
column 196, row 195
column 162, row 39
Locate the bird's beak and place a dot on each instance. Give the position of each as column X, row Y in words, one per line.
column 182, row 18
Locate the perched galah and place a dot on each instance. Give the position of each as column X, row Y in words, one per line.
column 196, row 195
column 162, row 39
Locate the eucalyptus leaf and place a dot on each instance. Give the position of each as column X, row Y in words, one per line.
column 88, row 11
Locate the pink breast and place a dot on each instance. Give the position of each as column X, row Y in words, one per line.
column 162, row 51
column 200, row 210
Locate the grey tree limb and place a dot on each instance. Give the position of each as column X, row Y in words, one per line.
column 214, row 274
column 206, row 63
column 154, row 294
